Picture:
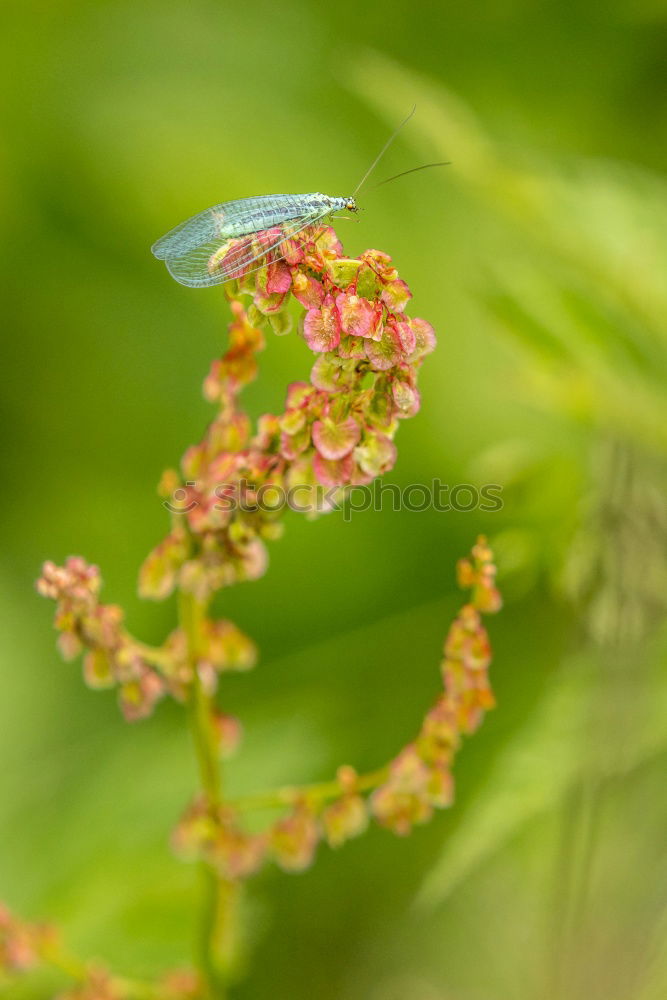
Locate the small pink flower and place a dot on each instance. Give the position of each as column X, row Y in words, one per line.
column 479, row 573
column 232, row 257
column 334, row 440
column 352, row 347
column 439, row 737
column 76, row 581
column 425, row 341
column 266, row 238
column 295, row 436
column 226, row 647
column 406, row 397
column 253, row 560
column 69, row 645
column 344, row 819
column 380, row 263
column 359, row 477
column 333, row 473
column 292, row 421
column 293, row 251
column 358, row 316
column 395, row 295
column 294, row 839
column 269, row 303
column 376, row 455
column 322, row 327
column 322, row 245
column 138, row 697
column 403, row 334
column 440, row 787
column 268, row 430
column 403, row 801
column 380, row 411
column 308, row 290
column 325, row 373
column 388, row 352
column 293, row 445
column 298, row 394
column 215, row 382
column 279, row 278
column 333, row 373
column 238, row 855
column 157, row 576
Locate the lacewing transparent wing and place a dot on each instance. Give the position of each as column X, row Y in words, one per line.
column 231, row 239
column 215, row 262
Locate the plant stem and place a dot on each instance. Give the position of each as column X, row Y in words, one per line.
column 216, row 913
column 318, row 792
column 192, row 613
column 155, row 655
column 54, row 955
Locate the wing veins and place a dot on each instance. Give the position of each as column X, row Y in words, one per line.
column 206, row 278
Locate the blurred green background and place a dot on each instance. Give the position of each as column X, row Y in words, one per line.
column 540, row 256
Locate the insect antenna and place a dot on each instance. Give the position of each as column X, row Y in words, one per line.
column 412, row 170
column 382, row 152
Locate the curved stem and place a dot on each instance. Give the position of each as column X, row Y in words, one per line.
column 155, row 655
column 54, row 955
column 317, row 792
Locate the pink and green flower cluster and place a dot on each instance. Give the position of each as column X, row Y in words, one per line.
column 114, row 659
column 337, row 430
column 26, row 946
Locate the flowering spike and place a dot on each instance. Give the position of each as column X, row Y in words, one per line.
column 336, row 431
column 420, row 777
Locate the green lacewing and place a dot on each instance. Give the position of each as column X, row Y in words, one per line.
column 216, row 245
column 235, row 237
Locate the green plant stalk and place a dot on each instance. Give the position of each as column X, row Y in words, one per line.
column 217, row 914
column 54, row 955
column 160, row 658
column 315, row 793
